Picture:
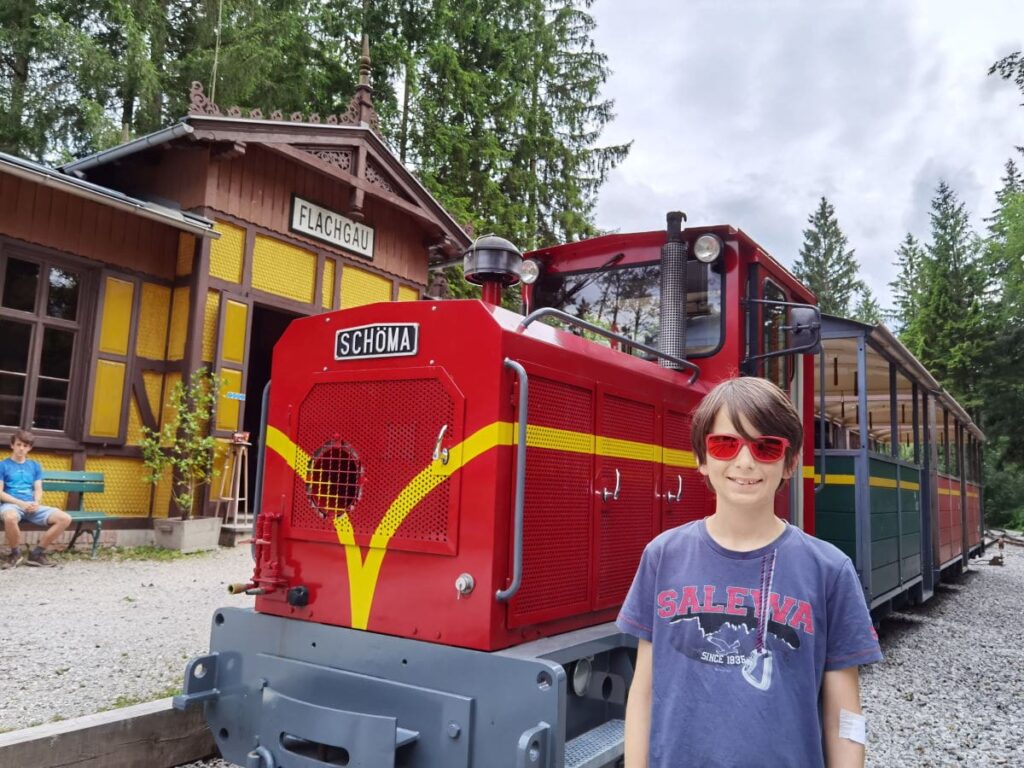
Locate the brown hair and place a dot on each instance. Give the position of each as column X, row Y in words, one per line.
column 24, row 436
column 760, row 404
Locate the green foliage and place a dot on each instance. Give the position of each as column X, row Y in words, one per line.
column 184, row 444
column 947, row 332
column 825, row 265
column 868, row 310
column 906, row 290
column 1010, row 68
column 495, row 104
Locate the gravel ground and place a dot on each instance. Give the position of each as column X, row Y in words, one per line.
column 951, row 689
column 92, row 635
column 101, row 634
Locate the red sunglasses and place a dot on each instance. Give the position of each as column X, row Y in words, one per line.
column 766, row 448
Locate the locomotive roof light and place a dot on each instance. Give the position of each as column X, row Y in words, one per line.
column 708, row 248
column 530, row 271
column 492, row 259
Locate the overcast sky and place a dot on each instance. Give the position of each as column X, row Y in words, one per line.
column 746, row 112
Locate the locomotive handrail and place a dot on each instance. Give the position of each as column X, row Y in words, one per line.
column 822, row 418
column 257, row 504
column 517, row 560
column 566, row 317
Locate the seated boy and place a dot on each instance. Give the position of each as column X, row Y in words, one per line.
column 750, row 630
column 21, row 494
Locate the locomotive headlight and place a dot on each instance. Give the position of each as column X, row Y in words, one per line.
column 708, row 248
column 529, row 271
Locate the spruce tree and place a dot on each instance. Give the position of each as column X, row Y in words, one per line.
column 868, row 310
column 905, row 288
column 947, row 333
column 825, row 265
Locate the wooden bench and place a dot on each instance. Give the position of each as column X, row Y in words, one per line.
column 80, row 483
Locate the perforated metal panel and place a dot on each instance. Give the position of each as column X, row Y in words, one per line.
column 360, row 287
column 134, row 434
column 186, row 247
column 406, row 293
column 210, row 314
column 558, row 508
column 693, row 505
column 627, row 523
column 227, row 253
column 124, row 490
column 179, row 324
column 390, row 428
column 153, row 381
column 154, row 315
column 327, row 287
column 283, row 269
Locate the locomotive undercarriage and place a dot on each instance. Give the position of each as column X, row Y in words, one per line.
column 286, row 694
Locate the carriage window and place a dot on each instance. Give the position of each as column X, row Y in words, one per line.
column 773, row 336
column 626, row 300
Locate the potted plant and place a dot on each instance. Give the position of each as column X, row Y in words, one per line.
column 184, row 445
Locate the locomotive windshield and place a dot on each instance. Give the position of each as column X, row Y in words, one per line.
column 626, row 300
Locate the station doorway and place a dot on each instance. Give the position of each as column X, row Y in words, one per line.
column 268, row 324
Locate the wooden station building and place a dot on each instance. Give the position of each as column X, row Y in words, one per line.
column 124, row 271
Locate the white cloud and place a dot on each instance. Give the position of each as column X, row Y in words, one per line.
column 746, row 113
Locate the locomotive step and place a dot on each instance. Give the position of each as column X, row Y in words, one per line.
column 598, row 747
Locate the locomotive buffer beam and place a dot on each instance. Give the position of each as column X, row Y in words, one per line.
column 279, row 693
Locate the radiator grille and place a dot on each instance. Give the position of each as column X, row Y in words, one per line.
column 369, row 440
column 557, row 510
column 334, row 481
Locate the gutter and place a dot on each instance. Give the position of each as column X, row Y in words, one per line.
column 77, row 167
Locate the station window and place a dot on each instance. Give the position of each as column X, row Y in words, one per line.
column 40, row 324
column 627, row 300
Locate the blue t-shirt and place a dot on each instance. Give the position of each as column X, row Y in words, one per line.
column 731, row 689
column 19, row 479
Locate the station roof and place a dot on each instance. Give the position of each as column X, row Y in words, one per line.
column 41, row 174
column 347, row 148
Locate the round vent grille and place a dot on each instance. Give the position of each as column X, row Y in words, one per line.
column 334, row 482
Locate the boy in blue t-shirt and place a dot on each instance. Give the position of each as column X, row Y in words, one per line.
column 751, row 631
column 21, row 494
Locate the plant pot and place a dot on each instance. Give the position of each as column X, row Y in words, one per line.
column 197, row 534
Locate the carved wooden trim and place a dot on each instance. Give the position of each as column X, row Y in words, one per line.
column 360, row 109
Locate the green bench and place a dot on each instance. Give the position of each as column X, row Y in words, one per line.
column 80, row 483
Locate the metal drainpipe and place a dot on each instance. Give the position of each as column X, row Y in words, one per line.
column 672, row 312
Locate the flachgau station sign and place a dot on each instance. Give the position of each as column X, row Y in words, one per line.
column 331, row 227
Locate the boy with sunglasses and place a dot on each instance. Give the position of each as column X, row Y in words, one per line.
column 750, row 631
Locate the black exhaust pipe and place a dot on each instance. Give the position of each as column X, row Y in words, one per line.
column 672, row 311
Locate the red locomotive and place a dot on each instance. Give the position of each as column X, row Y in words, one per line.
column 455, row 498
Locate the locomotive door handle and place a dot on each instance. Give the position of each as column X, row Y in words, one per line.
column 439, row 452
column 613, row 495
column 678, row 495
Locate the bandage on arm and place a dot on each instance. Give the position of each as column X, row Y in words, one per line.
column 853, row 727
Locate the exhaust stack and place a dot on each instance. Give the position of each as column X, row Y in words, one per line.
column 672, row 312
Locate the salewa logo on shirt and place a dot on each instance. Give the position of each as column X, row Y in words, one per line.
column 699, row 602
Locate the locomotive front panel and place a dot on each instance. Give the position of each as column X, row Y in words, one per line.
column 388, row 498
